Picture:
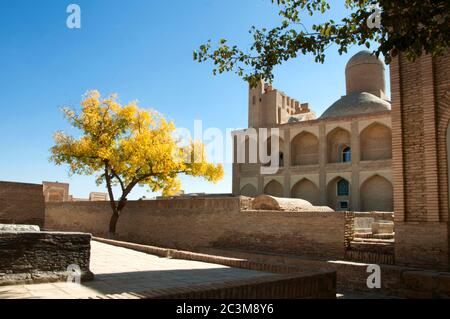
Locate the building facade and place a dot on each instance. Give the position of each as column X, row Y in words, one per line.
column 343, row 159
column 59, row 192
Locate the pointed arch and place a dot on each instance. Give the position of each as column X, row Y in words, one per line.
column 376, row 142
column 249, row 190
column 338, row 140
column 305, row 149
column 281, row 150
column 307, row 190
column 274, row 188
column 376, row 194
column 339, row 194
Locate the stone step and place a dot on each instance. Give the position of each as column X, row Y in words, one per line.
column 362, row 236
column 384, row 236
column 374, row 240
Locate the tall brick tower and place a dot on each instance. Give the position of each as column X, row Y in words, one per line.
column 421, row 157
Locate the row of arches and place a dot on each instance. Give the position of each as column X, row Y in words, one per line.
column 375, row 144
column 376, row 193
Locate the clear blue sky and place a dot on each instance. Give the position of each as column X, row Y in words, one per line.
column 141, row 50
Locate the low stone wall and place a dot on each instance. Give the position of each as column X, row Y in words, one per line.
column 21, row 204
column 34, row 257
column 188, row 224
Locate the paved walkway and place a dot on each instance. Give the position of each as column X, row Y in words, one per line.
column 119, row 270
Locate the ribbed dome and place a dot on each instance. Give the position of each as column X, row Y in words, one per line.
column 356, row 103
column 364, row 57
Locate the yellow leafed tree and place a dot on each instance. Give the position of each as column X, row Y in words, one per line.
column 127, row 146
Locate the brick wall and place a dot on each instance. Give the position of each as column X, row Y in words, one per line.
column 192, row 223
column 420, row 118
column 21, row 204
column 300, row 286
column 33, row 257
column 396, row 281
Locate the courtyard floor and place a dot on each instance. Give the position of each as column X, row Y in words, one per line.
column 119, row 270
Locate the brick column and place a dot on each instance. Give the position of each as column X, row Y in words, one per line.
column 287, row 163
column 323, row 158
column 430, row 138
column 397, row 141
column 236, row 173
column 356, row 154
column 421, row 238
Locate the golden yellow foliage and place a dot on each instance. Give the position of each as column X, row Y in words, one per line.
column 128, row 146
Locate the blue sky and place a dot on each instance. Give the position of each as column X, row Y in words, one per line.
column 141, row 50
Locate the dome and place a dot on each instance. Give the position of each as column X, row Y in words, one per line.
column 365, row 73
column 356, row 103
column 266, row 202
column 364, row 57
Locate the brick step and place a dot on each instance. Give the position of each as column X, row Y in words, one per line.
column 371, row 250
column 364, row 235
column 374, row 240
column 371, row 257
column 363, row 230
column 377, row 247
column 374, row 236
column 384, row 236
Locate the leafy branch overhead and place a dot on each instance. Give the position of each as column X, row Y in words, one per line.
column 407, row 26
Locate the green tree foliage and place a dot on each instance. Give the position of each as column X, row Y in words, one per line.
column 413, row 27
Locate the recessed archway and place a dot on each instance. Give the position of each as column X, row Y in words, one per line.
column 305, row 149
column 338, row 145
column 249, row 190
column 338, row 194
column 280, row 152
column 376, row 142
column 307, row 190
column 274, row 188
column 376, row 194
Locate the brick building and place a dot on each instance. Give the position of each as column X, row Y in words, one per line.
column 343, row 159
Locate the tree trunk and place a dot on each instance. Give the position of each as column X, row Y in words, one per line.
column 113, row 224
column 115, row 217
